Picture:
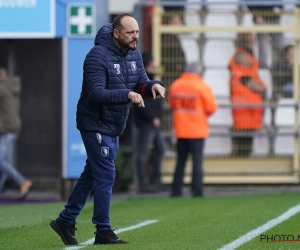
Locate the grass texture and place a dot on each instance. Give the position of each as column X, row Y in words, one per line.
column 183, row 223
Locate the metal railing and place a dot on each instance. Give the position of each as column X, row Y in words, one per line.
column 159, row 28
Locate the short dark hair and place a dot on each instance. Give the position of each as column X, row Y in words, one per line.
column 117, row 20
column 147, row 57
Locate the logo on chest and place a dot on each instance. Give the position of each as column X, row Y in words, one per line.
column 133, row 65
column 117, row 67
column 105, row 151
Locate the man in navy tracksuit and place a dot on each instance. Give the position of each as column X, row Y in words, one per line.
column 113, row 77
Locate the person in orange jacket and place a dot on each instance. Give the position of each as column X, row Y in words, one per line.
column 248, row 89
column 191, row 101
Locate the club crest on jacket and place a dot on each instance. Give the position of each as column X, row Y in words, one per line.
column 105, row 151
column 133, row 65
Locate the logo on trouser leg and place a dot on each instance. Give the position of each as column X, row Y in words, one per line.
column 105, row 151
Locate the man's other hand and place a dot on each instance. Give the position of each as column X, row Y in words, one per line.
column 158, row 91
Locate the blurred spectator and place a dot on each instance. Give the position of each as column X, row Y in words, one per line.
column 267, row 14
column 191, row 101
column 283, row 74
column 248, row 89
column 174, row 12
column 148, row 122
column 10, row 125
column 173, row 58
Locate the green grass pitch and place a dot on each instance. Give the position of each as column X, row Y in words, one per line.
column 182, row 223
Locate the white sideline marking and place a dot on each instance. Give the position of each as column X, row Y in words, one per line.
column 117, row 231
column 255, row 232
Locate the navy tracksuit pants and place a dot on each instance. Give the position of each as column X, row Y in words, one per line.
column 98, row 175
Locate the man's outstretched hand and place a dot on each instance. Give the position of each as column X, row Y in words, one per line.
column 136, row 98
column 158, row 91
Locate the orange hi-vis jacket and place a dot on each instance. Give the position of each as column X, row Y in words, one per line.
column 191, row 101
column 245, row 118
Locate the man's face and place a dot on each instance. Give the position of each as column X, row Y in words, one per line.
column 128, row 35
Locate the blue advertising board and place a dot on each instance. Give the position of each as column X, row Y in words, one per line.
column 75, row 154
column 27, row 18
column 75, row 48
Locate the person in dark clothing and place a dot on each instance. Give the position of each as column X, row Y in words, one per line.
column 172, row 54
column 113, row 78
column 147, row 122
column 174, row 11
column 267, row 14
column 10, row 126
column 283, row 74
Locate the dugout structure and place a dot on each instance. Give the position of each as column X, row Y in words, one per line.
column 210, row 33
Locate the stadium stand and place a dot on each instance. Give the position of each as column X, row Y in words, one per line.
column 285, row 113
column 218, row 80
column 220, row 19
column 284, row 142
column 272, row 145
column 287, row 19
column 247, row 19
column 267, row 117
column 232, row 7
column 190, row 47
column 222, row 117
column 217, row 53
column 260, row 145
column 266, row 76
column 284, row 122
column 218, row 136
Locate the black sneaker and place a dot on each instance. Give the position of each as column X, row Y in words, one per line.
column 108, row 237
column 65, row 231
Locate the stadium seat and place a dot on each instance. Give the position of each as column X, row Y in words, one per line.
column 284, row 122
column 260, row 145
column 218, row 80
column 284, row 141
column 223, row 116
column 192, row 15
column 190, row 48
column 269, row 54
column 267, row 117
column 217, row 53
column 289, row 7
column 218, row 143
column 287, row 19
column 247, row 20
column 218, row 19
column 266, row 76
column 285, row 115
column 214, row 5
